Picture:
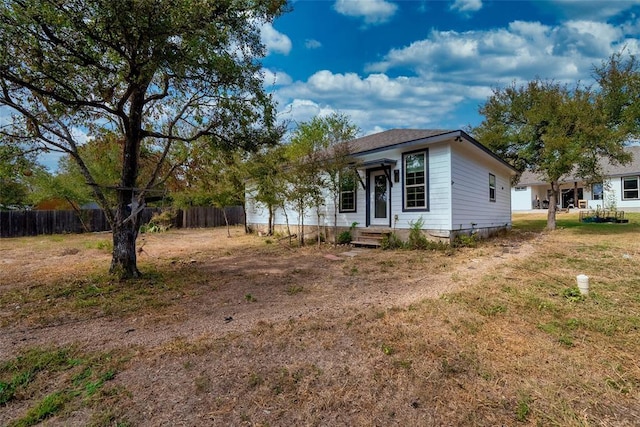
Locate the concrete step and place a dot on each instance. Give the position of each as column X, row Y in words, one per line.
column 368, row 243
column 371, row 237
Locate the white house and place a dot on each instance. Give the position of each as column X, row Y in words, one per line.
column 447, row 178
column 620, row 189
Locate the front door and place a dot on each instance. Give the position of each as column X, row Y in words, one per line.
column 378, row 198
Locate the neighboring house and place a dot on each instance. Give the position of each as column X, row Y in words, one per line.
column 447, row 178
column 620, row 188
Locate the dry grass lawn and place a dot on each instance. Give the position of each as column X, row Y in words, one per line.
column 248, row 331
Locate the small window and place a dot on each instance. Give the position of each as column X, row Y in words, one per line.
column 348, row 193
column 596, row 190
column 630, row 188
column 520, row 188
column 492, row 187
column 415, row 181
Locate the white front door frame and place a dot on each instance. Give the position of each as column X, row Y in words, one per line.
column 379, row 198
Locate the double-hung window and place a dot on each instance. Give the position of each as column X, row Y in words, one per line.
column 415, row 180
column 492, row 187
column 347, row 193
column 597, row 191
column 630, row 188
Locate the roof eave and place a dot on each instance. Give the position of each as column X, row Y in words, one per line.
column 456, row 135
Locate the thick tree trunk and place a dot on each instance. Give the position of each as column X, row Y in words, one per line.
column 124, row 257
column 553, row 203
column 126, row 224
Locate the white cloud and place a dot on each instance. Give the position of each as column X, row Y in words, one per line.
column 303, row 110
column 522, row 51
column 467, row 6
column 429, row 82
column 275, row 78
column 587, row 38
column 589, row 10
column 374, row 100
column 274, row 40
column 312, row 44
column 373, row 11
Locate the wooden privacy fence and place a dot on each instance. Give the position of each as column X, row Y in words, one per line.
column 202, row 217
column 34, row 223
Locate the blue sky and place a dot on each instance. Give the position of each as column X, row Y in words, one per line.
column 430, row 64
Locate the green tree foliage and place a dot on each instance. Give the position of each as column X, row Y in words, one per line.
column 17, row 166
column 327, row 137
column 552, row 130
column 102, row 157
column 304, row 180
column 266, row 169
column 619, row 79
column 213, row 177
column 153, row 72
column 298, row 173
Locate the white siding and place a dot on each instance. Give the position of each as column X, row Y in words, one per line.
column 458, row 178
column 258, row 214
column 438, row 216
column 613, row 191
column 522, row 200
column 470, row 191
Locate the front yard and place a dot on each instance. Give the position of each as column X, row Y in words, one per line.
column 248, row 331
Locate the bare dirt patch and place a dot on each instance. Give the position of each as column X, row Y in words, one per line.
column 239, row 282
column 247, row 331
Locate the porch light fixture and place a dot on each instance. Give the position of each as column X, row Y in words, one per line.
column 396, row 175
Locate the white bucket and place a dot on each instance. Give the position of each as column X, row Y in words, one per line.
column 583, row 284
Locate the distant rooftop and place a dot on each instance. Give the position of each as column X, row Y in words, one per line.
column 633, row 168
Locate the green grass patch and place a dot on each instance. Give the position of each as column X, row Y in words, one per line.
column 102, row 245
column 571, row 222
column 99, row 294
column 523, row 407
column 55, row 381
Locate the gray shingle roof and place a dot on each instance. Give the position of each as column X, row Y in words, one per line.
column 392, row 137
column 633, row 168
column 384, row 140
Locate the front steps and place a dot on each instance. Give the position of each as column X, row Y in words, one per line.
column 370, row 237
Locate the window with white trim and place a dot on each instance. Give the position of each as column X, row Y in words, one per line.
column 631, row 188
column 597, row 191
column 492, row 187
column 348, row 193
column 415, row 180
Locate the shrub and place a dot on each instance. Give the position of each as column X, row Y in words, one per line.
column 466, row 241
column 344, row 238
column 160, row 222
column 417, row 240
column 391, row 241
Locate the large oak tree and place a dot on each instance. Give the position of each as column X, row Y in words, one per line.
column 553, row 130
column 155, row 72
